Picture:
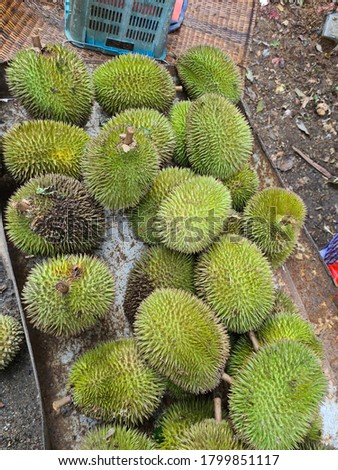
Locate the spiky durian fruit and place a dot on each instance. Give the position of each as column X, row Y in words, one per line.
column 233, row 225
column 178, row 118
column 133, row 81
column 209, row 435
column 35, row 148
column 54, row 214
column 158, row 267
column 52, row 84
column 154, row 124
column 144, row 216
column 236, row 280
column 207, row 69
column 193, row 214
column 181, row 338
column 284, row 304
column 11, row 336
column 117, row 438
column 114, row 383
column 242, row 186
column 275, row 397
column 283, row 326
column 181, row 416
column 273, row 219
column 119, row 167
column 218, row 138
column 68, row 294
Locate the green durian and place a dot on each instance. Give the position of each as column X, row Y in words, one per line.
column 218, row 138
column 34, row 148
column 154, row 124
column 178, row 119
column 242, row 186
column 276, row 396
column 11, row 337
column 209, row 435
column 273, row 219
column 158, row 267
column 133, row 81
column 236, row 280
column 193, row 214
column 52, row 84
column 181, row 338
column 207, row 69
column 144, row 216
column 114, row 383
column 181, row 416
column 284, row 304
column 54, row 214
column 116, row 438
column 233, row 225
column 283, row 326
column 116, row 174
column 68, row 294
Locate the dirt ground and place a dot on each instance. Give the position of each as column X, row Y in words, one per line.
column 292, row 94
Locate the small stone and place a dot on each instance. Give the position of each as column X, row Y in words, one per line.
column 322, row 109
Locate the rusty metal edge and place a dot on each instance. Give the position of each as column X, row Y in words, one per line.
column 4, row 253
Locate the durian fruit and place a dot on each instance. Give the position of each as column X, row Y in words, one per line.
column 181, row 416
column 210, row 435
column 11, row 336
column 193, row 215
column 218, row 138
column 236, row 280
column 133, row 81
column 144, row 216
column 54, row 214
column 35, row 148
column 158, row 267
column 275, row 328
column 120, row 166
column 273, row 219
column 116, row 438
column 154, row 124
column 52, row 84
column 276, row 396
column 242, row 186
column 283, row 304
column 114, row 383
column 68, row 294
column 182, row 339
column 207, row 69
column 178, row 118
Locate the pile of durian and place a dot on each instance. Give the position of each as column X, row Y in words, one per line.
column 219, row 358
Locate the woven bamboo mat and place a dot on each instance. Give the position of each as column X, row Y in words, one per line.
column 224, row 23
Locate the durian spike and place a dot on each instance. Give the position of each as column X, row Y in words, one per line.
column 58, row 404
column 227, row 379
column 254, row 340
column 129, row 136
column 218, row 409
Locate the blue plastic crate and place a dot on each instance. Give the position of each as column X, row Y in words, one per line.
column 119, row 26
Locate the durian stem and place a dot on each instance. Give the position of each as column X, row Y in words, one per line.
column 129, row 136
column 58, row 404
column 227, row 379
column 22, row 206
column 254, row 341
column 62, row 287
column 179, row 88
column 36, row 42
column 218, row 409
